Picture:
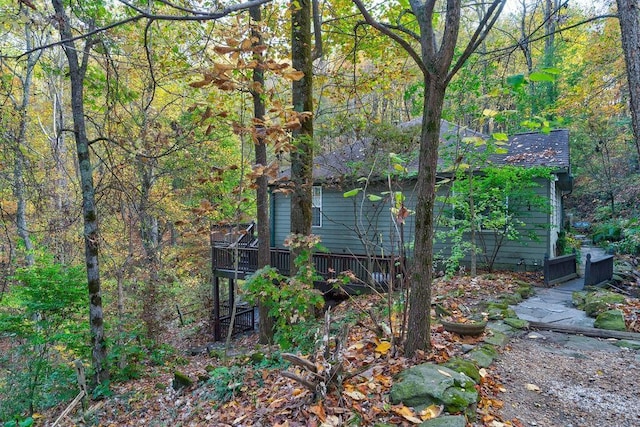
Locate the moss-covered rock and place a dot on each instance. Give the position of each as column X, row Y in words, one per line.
column 497, row 305
column 525, row 289
column 483, row 355
column 464, row 366
column 181, row 380
column 511, row 299
column 578, row 299
column 612, row 320
column 516, row 323
column 633, row 345
column 496, row 338
column 600, row 301
column 429, row 384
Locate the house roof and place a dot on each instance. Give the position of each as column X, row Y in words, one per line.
column 537, row 149
column 365, row 157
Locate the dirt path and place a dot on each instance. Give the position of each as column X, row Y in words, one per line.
column 553, row 379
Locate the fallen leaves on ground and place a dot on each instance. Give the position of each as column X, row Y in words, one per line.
column 263, row 397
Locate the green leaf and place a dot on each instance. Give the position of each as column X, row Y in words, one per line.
column 398, row 167
column 476, row 140
column 500, row 136
column 541, row 76
column 516, row 80
column 552, row 70
column 351, row 193
column 374, row 198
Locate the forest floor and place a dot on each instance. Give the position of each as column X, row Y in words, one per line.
column 538, row 379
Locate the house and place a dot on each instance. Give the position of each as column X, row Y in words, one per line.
column 364, row 223
column 362, row 232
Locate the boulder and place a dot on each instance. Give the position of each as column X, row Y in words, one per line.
column 599, row 301
column 516, row 323
column 483, row 355
column 464, row 366
column 612, row 320
column 496, row 338
column 181, row 380
column 428, row 384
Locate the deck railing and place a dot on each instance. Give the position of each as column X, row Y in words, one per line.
column 560, row 269
column 598, row 271
column 367, row 269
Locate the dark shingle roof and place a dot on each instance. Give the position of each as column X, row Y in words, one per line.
column 361, row 157
column 537, row 149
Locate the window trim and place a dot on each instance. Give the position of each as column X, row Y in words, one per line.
column 316, row 203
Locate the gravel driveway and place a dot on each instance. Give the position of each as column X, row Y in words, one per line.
column 554, row 379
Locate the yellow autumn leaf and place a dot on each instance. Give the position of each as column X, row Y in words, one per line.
column 430, row 412
column 383, row 347
column 406, row 413
column 355, row 395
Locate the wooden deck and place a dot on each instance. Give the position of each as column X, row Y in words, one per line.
column 239, row 262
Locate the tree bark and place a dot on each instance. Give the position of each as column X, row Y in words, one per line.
column 20, row 142
column 435, row 61
column 419, row 321
column 262, row 187
column 149, row 235
column 302, row 154
column 77, row 72
column 629, row 15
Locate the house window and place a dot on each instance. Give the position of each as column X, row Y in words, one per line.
column 316, row 207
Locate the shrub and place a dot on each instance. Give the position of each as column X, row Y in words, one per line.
column 44, row 315
column 291, row 301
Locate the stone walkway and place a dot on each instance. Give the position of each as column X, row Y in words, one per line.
column 554, row 305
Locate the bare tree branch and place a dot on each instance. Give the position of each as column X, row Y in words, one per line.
column 488, row 20
column 191, row 15
column 388, row 32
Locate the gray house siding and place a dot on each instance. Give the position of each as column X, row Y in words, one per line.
column 343, row 218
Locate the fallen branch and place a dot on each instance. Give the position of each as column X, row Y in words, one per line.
column 308, row 384
column 588, row 332
column 69, row 408
column 299, row 361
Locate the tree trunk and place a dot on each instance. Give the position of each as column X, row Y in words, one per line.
column 77, row 73
column 551, row 11
column 150, row 238
column 302, row 154
column 59, row 182
column 262, row 188
column 419, row 323
column 629, row 14
column 20, row 142
column 472, row 237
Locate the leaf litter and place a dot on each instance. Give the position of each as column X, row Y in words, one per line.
column 260, row 396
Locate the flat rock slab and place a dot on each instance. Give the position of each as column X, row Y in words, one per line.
column 553, row 305
column 446, row 421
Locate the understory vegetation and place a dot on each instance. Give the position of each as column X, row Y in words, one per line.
column 135, row 136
